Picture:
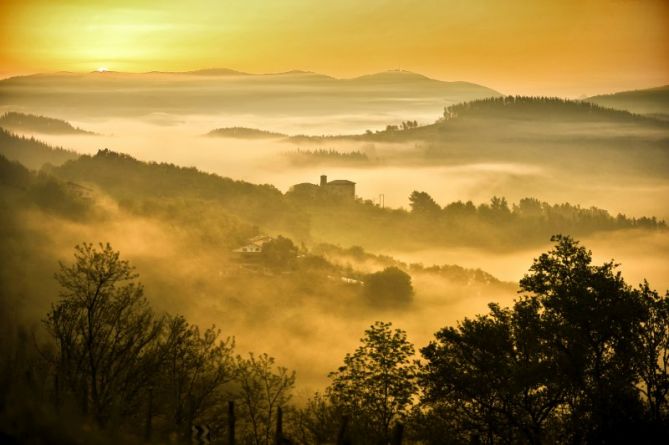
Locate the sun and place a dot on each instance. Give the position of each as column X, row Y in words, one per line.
column 102, row 69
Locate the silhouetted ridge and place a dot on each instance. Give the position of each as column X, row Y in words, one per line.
column 539, row 108
column 31, row 152
column 39, row 124
column 244, row 133
column 651, row 101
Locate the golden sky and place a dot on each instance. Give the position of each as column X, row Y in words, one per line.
column 561, row 47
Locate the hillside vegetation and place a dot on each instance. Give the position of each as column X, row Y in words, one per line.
column 31, row 152
column 38, row 124
column 177, row 191
column 243, row 133
column 651, row 101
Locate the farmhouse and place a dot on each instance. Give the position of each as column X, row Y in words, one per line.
column 340, row 187
column 254, row 246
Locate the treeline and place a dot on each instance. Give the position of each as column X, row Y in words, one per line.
column 187, row 195
column 226, row 211
column 39, row 124
column 244, row 133
column 31, row 152
column 580, row 357
column 356, row 254
column 529, row 215
column 24, row 188
column 532, row 108
column 327, row 155
column 496, row 224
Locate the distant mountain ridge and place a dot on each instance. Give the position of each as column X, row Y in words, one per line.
column 224, row 91
column 649, row 101
column 397, row 74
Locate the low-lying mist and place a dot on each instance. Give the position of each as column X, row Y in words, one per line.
column 463, row 170
column 308, row 322
column 307, row 326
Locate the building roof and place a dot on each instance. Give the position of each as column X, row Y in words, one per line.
column 341, row 182
column 304, row 184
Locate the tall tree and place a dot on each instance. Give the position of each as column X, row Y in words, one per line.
column 106, row 333
column 196, row 367
column 591, row 318
column 653, row 363
column 262, row 388
column 376, row 384
column 423, row 204
column 492, row 377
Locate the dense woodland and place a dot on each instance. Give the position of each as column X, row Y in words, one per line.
column 40, row 124
column 581, row 357
column 559, row 366
column 329, row 157
column 31, row 152
column 544, row 108
column 181, row 193
column 244, row 133
column 652, row 101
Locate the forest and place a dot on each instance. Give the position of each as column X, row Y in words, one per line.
column 176, row 192
column 580, row 356
column 151, row 299
column 334, row 223
column 40, row 124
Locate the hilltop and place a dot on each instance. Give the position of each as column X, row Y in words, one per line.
column 244, row 133
column 568, row 136
column 483, row 117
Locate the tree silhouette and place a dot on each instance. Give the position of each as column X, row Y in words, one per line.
column 376, row 383
column 262, row 388
column 106, row 334
column 389, row 287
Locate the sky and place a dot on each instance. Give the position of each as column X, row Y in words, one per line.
column 562, row 47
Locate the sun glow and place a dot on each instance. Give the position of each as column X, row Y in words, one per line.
column 102, row 69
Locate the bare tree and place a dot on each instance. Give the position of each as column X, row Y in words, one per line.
column 262, row 389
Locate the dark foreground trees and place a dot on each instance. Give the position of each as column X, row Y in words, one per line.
column 133, row 374
column 107, row 337
column 581, row 357
column 374, row 387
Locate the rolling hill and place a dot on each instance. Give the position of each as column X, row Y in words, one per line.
column 243, row 133
column 38, row 124
column 30, row 152
column 651, row 101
